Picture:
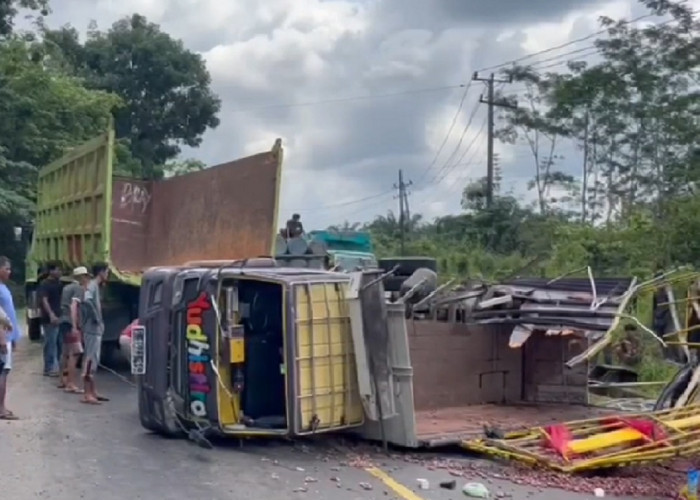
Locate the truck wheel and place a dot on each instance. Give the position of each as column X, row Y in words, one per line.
column 427, row 276
column 407, row 265
column 675, row 388
column 144, row 414
column 110, row 353
column 393, row 283
column 34, row 329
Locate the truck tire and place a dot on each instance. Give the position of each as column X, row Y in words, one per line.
column 407, row 265
column 34, row 329
column 428, row 277
column 675, row 388
column 144, row 416
column 110, row 354
column 393, row 283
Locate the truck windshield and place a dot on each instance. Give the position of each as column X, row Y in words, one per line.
column 352, row 262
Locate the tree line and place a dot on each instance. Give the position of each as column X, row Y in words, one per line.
column 630, row 203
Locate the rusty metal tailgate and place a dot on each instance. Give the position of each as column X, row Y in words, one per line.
column 225, row 212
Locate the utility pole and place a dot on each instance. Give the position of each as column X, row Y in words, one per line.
column 404, row 213
column 490, row 82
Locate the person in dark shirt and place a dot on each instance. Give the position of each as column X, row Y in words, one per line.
column 294, row 227
column 69, row 329
column 50, row 302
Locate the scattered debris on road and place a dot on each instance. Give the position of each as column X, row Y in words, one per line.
column 448, row 485
column 601, row 443
column 475, row 490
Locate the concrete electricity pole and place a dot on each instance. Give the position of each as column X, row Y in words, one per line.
column 492, row 103
column 404, row 212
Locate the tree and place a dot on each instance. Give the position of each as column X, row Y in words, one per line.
column 175, row 168
column 9, row 9
column 633, row 115
column 531, row 122
column 166, row 88
column 44, row 113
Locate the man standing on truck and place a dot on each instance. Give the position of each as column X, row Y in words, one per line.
column 92, row 328
column 69, row 328
column 50, row 301
column 8, row 337
column 294, row 227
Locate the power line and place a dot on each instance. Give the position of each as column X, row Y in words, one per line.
column 459, row 163
column 349, row 202
column 464, row 153
column 368, row 206
column 465, row 175
column 449, row 131
column 560, row 46
column 459, row 143
column 581, row 39
column 349, row 99
column 461, row 85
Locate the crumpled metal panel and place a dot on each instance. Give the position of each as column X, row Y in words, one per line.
column 604, row 286
column 571, row 301
column 225, row 212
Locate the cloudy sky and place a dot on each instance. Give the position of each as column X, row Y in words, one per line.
column 358, row 89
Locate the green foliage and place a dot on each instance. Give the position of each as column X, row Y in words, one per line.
column 175, row 168
column 9, row 9
column 44, row 112
column 165, row 87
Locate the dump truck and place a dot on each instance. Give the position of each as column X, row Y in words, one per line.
column 86, row 213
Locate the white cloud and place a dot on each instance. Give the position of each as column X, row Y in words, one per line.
column 540, row 36
column 294, row 52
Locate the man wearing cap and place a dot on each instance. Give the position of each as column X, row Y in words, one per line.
column 69, row 328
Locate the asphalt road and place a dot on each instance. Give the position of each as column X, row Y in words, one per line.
column 64, row 450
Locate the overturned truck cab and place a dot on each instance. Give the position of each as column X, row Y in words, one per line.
column 245, row 349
